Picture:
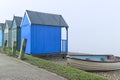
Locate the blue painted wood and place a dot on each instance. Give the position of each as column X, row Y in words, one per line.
column 26, row 33
column 45, row 39
column 1, row 37
column 64, row 46
column 1, row 34
column 41, row 39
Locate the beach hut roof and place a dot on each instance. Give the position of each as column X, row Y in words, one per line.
column 46, row 19
column 9, row 22
column 2, row 26
column 18, row 20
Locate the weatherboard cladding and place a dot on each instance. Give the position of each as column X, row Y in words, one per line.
column 45, row 39
column 46, row 19
column 7, row 33
column 1, row 37
column 9, row 23
column 42, row 36
column 26, row 33
column 2, row 25
column 16, row 31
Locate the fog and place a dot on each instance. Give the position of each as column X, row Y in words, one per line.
column 94, row 25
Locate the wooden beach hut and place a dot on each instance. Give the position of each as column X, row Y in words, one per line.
column 16, row 31
column 7, row 35
column 2, row 26
column 43, row 33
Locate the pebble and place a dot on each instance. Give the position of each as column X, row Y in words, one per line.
column 111, row 75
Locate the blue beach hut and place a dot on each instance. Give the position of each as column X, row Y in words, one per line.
column 16, row 31
column 2, row 25
column 43, row 33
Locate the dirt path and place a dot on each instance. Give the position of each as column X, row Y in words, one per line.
column 14, row 69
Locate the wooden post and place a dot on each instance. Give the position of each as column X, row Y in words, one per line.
column 22, row 50
column 5, row 45
column 14, row 49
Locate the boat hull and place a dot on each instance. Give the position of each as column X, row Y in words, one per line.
column 93, row 65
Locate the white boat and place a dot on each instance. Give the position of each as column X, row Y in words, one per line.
column 92, row 65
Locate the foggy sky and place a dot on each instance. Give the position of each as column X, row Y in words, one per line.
column 94, row 25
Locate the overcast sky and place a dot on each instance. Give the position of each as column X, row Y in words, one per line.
column 94, row 25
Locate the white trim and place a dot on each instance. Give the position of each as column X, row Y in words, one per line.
column 23, row 19
column 63, row 34
column 28, row 18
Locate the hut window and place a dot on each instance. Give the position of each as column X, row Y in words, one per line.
column 63, row 33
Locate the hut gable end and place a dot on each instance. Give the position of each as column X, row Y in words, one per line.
column 18, row 20
column 14, row 24
column 26, row 31
column 16, row 31
column 25, row 20
column 8, row 23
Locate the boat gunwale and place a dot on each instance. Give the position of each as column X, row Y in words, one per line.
column 94, row 61
column 90, row 54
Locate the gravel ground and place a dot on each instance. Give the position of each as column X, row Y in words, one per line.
column 14, row 69
column 112, row 75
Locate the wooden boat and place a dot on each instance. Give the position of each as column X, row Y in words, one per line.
column 92, row 65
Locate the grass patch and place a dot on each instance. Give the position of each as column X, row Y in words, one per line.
column 67, row 72
column 64, row 71
column 8, row 51
column 1, row 49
